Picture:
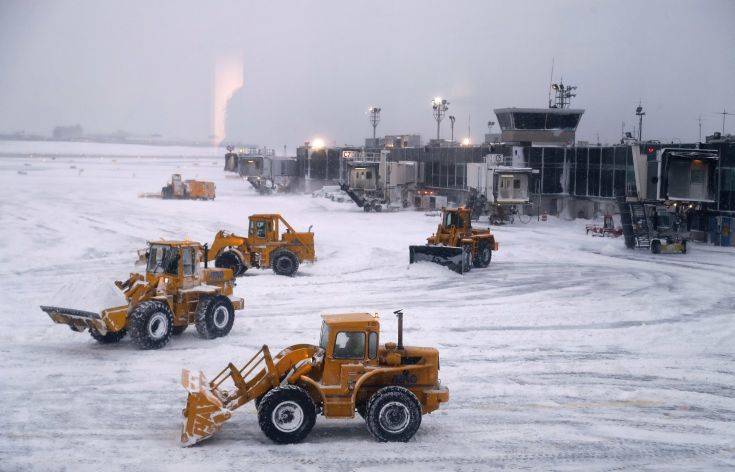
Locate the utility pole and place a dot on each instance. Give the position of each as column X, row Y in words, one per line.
column 700, row 128
column 640, row 114
column 374, row 116
column 724, row 113
column 451, row 125
column 469, row 127
column 440, row 107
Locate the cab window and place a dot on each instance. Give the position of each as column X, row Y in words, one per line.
column 324, row 338
column 163, row 259
column 372, row 345
column 258, row 229
column 452, row 219
column 188, row 261
column 349, row 345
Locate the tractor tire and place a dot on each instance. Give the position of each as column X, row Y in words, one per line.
column 177, row 330
column 466, row 258
column 393, row 414
column 684, row 246
column 656, row 247
column 214, row 317
column 230, row 260
column 361, row 409
column 484, row 255
column 377, row 207
column 150, row 324
column 286, row 414
column 109, row 338
column 284, row 262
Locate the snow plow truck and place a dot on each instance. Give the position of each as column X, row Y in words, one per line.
column 456, row 244
column 390, row 385
column 174, row 292
column 263, row 247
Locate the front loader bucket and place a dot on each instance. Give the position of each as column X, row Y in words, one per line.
column 448, row 256
column 78, row 320
column 204, row 412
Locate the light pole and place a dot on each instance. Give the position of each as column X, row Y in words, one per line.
column 451, row 124
column 640, row 114
column 313, row 144
column 374, row 116
column 440, row 107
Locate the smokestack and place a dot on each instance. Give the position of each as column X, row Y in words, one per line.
column 399, row 314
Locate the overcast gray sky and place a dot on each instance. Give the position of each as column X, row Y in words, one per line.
column 311, row 68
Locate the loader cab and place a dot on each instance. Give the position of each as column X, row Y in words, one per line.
column 178, row 260
column 454, row 219
column 263, row 228
column 348, row 339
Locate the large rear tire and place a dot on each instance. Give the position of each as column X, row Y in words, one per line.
column 284, row 262
column 231, row 260
column 393, row 414
column 108, row 338
column 286, row 414
column 484, row 255
column 215, row 317
column 656, row 247
column 466, row 258
column 150, row 324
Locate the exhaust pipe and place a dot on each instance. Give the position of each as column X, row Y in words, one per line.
column 206, row 255
column 399, row 314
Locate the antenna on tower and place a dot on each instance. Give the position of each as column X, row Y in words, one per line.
column 563, row 95
column 551, row 80
column 724, row 114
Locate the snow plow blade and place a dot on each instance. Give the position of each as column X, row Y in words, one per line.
column 78, row 320
column 204, row 412
column 448, row 256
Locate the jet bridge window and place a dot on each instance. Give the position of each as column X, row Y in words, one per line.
column 349, row 345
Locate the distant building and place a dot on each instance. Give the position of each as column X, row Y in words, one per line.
column 390, row 141
column 67, row 133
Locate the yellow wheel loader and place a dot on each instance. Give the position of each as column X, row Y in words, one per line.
column 456, row 244
column 390, row 385
column 174, row 292
column 263, row 247
column 188, row 189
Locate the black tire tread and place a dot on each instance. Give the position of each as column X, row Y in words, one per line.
column 205, row 310
column 395, row 393
column 284, row 253
column 137, row 321
column 275, row 396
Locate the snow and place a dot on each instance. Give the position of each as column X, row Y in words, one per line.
column 568, row 352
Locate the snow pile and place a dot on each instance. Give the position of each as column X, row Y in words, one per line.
column 87, row 294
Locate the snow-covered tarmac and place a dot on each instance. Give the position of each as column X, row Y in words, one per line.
column 568, row 352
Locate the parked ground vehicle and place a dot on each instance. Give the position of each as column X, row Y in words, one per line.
column 174, row 292
column 456, row 244
column 188, row 189
column 652, row 225
column 389, row 385
column 263, row 247
column 607, row 229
